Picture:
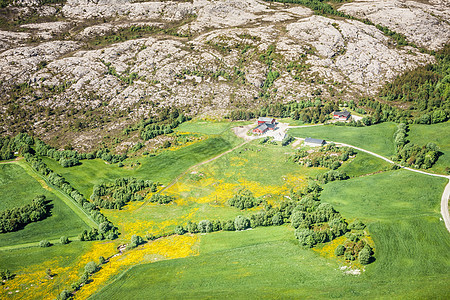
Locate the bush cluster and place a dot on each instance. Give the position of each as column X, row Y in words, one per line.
column 161, row 199
column 329, row 156
column 123, row 190
column 244, row 199
column 411, row 154
column 16, row 218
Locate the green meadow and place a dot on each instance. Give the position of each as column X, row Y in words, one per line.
column 19, row 188
column 163, row 167
column 401, row 210
column 363, row 164
column 376, row 138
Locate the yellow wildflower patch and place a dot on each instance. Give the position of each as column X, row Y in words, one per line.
column 327, row 250
column 171, row 247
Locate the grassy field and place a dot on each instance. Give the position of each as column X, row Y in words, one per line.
column 202, row 194
column 363, row 164
column 66, row 263
column 412, row 257
column 438, row 134
column 162, row 167
column 375, row 138
column 19, row 188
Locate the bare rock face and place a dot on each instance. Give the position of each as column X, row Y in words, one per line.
column 17, row 64
column 352, row 51
column 425, row 25
column 203, row 56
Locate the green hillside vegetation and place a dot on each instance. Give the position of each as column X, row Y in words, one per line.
column 363, row 164
column 377, row 138
column 18, row 188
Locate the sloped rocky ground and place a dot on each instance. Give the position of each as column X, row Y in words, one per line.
column 93, row 67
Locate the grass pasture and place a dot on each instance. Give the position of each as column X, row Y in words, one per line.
column 202, row 194
column 19, row 188
column 376, row 138
column 435, row 133
column 162, row 167
column 363, row 164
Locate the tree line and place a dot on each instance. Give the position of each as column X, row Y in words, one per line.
column 16, row 218
column 57, row 180
column 410, row 154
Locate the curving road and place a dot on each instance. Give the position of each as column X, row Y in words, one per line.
column 445, row 195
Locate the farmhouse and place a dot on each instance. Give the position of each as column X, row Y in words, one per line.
column 314, row 142
column 341, row 115
column 264, row 124
column 264, row 120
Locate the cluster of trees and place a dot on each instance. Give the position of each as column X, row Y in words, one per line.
column 355, row 247
column 60, row 182
column 21, row 143
column 244, row 199
column 331, row 175
column 161, row 199
column 164, row 122
column 136, row 240
column 411, row 154
column 106, row 230
column 329, row 156
column 123, row 190
column 287, row 140
column 69, row 158
column 426, row 87
column 16, row 218
column 89, row 269
column 309, row 111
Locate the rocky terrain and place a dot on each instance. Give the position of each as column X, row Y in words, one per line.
column 82, row 68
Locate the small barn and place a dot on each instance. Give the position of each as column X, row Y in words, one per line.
column 265, row 120
column 341, row 115
column 314, row 142
column 261, row 128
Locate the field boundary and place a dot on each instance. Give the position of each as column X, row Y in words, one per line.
column 69, row 201
column 35, row 244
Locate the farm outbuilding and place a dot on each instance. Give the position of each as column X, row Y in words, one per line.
column 341, row 115
column 264, row 124
column 314, row 142
column 265, row 120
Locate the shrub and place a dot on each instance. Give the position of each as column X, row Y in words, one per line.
column 241, row 223
column 64, row 240
column 339, row 250
column 277, row 219
column 64, row 295
column 44, row 244
column 205, row 226
column 90, row 267
column 365, row 255
column 179, row 230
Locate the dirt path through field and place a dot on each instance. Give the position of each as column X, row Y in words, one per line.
column 192, row 168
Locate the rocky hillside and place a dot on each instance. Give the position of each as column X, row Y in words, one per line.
column 75, row 70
